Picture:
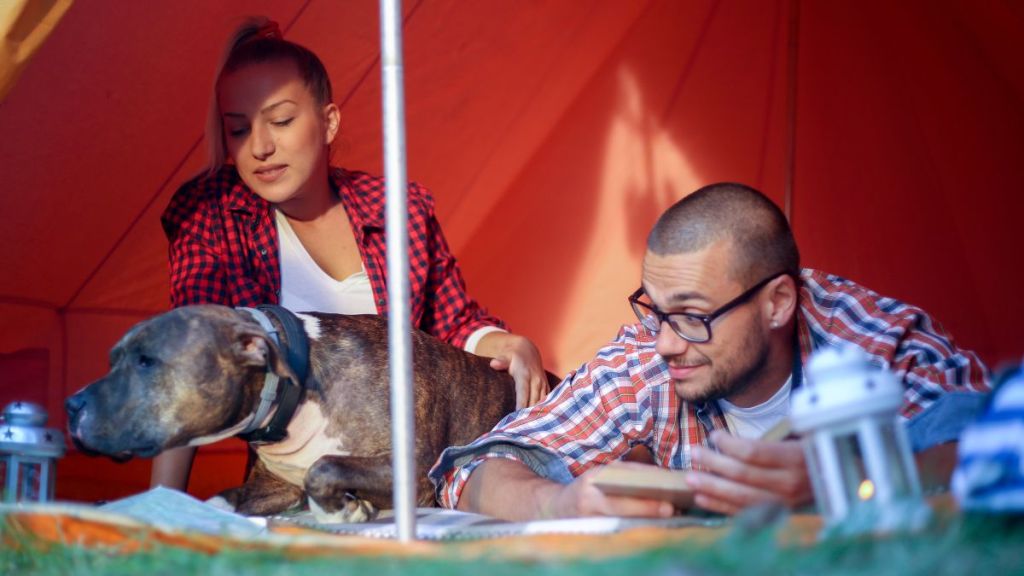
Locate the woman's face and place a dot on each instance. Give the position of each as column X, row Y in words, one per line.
column 274, row 131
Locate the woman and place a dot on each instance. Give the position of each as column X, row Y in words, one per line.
column 271, row 222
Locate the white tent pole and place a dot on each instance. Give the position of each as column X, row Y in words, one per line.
column 399, row 330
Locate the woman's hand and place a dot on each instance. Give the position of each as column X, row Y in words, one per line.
column 520, row 358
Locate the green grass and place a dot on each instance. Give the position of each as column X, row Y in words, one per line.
column 961, row 546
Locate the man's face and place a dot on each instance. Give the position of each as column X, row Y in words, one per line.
column 699, row 283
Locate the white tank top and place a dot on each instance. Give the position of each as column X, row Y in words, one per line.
column 305, row 287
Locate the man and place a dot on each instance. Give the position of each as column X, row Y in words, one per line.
column 727, row 321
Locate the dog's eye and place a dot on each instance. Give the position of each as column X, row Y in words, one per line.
column 144, row 361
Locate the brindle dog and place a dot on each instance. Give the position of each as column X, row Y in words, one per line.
column 194, row 375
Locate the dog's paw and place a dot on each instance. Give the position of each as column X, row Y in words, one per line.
column 221, row 503
column 352, row 510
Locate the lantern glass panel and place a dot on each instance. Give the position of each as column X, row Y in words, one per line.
column 896, row 469
column 814, row 466
column 26, row 479
column 852, row 468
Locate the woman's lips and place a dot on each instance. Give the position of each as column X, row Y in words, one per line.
column 270, row 173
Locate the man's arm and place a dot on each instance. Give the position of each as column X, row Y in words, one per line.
column 592, row 417
column 944, row 384
column 935, row 465
column 508, row 489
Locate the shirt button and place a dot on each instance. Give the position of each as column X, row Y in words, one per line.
column 263, row 251
column 380, row 302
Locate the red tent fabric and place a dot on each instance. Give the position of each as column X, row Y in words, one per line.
column 552, row 135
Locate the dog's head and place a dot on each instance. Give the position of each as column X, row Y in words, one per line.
column 188, row 373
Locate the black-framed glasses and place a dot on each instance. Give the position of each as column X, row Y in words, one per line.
column 690, row 327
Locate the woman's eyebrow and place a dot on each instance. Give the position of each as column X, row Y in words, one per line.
column 276, row 104
column 263, row 111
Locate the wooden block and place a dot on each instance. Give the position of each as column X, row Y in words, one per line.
column 646, row 482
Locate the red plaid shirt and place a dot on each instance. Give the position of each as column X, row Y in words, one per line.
column 624, row 396
column 224, row 250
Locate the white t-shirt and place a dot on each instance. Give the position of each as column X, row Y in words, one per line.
column 305, row 287
column 753, row 422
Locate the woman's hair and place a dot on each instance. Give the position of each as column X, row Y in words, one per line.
column 257, row 40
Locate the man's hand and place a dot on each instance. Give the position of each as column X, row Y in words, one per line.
column 746, row 472
column 582, row 498
column 521, row 359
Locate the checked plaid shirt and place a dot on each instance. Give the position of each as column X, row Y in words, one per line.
column 224, row 250
column 624, row 396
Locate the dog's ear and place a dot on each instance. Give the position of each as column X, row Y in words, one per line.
column 252, row 347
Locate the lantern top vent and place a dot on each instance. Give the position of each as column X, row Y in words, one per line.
column 24, row 414
column 842, row 387
column 23, row 432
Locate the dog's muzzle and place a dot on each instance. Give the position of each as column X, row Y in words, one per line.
column 78, row 412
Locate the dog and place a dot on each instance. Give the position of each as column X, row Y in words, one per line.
column 194, row 375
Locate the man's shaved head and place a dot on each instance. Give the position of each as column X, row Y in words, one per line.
column 761, row 239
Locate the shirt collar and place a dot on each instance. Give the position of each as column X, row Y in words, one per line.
column 365, row 208
column 239, row 197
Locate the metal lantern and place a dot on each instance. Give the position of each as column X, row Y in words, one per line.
column 859, row 459
column 28, row 453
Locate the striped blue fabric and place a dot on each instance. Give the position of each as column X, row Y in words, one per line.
column 990, row 462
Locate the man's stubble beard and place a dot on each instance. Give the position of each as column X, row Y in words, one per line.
column 722, row 383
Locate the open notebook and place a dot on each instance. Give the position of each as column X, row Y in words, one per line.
column 443, row 524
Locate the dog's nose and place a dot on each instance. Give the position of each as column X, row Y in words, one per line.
column 73, row 405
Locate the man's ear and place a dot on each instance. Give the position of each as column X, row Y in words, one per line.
column 782, row 300
column 252, row 347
